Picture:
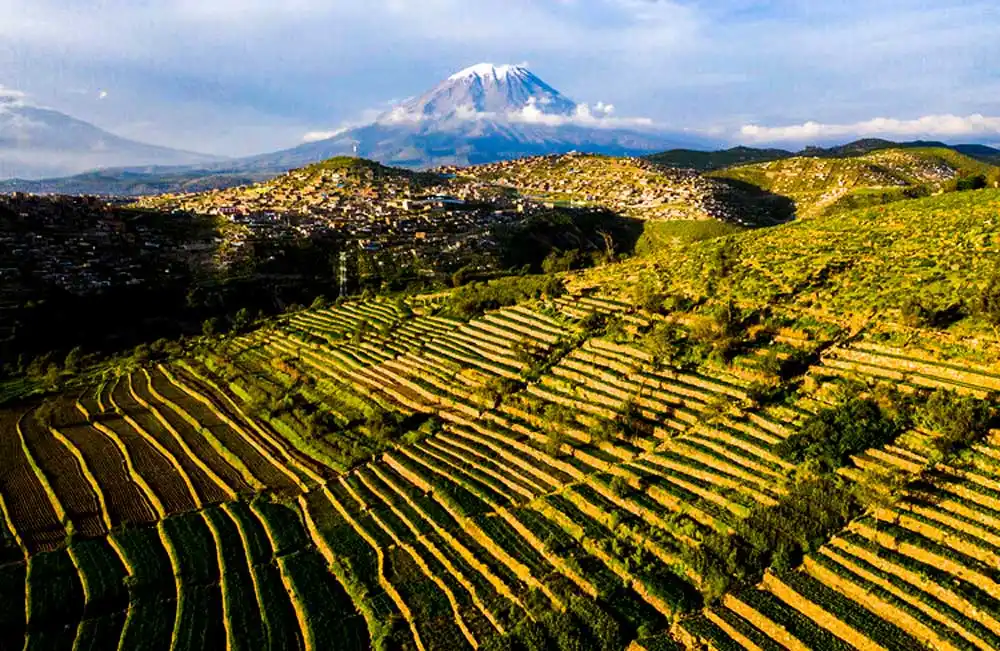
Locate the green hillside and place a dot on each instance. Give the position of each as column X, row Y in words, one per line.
column 705, row 161
column 632, row 187
column 769, row 438
column 822, row 183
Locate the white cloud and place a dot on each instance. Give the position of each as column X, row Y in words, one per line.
column 400, row 115
column 366, row 117
column 102, row 94
column 11, row 96
column 469, row 112
column 314, row 136
column 600, row 116
column 942, row 126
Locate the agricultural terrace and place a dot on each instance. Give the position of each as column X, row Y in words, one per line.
column 512, row 465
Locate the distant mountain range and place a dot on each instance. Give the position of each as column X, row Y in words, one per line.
column 705, row 161
column 482, row 114
column 38, row 142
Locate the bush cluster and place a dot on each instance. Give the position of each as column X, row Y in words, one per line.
column 474, row 299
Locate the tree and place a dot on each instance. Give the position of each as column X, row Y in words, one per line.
column 609, row 245
column 647, row 296
column 987, row 304
column 360, row 331
column 242, row 320
column 554, row 288
column 557, row 261
column 914, row 313
column 976, row 182
column 73, row 360
column 723, row 260
column 959, row 420
column 210, row 326
column 141, row 353
column 832, row 435
column 52, row 376
column 592, row 323
column 461, row 276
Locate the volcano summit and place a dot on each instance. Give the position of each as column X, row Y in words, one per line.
column 482, row 114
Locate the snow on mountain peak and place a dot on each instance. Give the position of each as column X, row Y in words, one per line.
column 488, row 70
column 481, row 92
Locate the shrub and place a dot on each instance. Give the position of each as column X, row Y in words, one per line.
column 976, row 182
column 210, row 327
column 723, row 260
column 916, row 314
column 831, row 436
column 630, row 421
column 987, row 302
column 593, row 323
column 557, row 261
column 667, row 344
column 959, row 420
column 775, row 536
column 474, row 299
column 603, row 430
column 73, row 360
column 645, row 295
column 461, row 276
column 494, row 390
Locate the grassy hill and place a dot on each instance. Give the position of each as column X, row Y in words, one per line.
column 775, row 438
column 705, row 161
column 634, row 188
column 824, row 183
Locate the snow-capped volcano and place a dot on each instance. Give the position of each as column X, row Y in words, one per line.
column 483, row 90
column 482, row 114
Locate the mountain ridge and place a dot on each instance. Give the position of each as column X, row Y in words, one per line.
column 40, row 142
column 482, row 114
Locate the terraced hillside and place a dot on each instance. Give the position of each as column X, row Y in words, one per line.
column 716, row 446
column 823, row 183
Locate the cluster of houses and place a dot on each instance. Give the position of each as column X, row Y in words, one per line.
column 83, row 244
column 443, row 221
column 628, row 186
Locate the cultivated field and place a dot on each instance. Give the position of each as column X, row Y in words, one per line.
column 595, row 469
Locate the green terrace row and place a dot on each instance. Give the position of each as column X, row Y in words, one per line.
column 237, row 576
column 918, row 573
column 906, row 369
column 144, row 446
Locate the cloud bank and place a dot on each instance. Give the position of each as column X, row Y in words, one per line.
column 601, row 116
column 939, row 126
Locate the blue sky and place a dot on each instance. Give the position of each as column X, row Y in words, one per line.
column 245, row 76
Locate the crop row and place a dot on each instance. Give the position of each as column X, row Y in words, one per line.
column 209, row 579
column 907, row 368
column 919, row 573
